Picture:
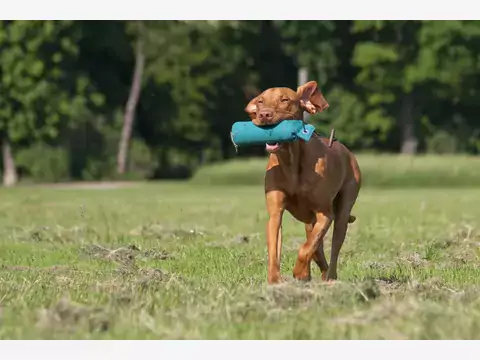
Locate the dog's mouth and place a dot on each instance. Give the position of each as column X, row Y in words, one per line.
column 271, row 148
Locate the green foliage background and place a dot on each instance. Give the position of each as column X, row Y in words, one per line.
column 64, row 85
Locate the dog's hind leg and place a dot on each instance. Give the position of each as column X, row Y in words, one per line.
column 343, row 205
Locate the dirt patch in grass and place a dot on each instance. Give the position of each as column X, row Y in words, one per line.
column 126, row 255
column 66, row 315
column 55, row 234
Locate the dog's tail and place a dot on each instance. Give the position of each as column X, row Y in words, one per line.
column 351, row 219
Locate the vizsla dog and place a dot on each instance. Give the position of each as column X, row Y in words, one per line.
column 315, row 183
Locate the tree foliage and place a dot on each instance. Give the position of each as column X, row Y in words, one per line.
column 40, row 84
column 392, row 85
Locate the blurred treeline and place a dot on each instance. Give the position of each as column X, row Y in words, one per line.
column 393, row 86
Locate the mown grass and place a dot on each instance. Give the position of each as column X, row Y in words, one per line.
column 384, row 171
column 182, row 261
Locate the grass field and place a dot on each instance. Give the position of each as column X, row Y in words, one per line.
column 184, row 261
column 380, row 171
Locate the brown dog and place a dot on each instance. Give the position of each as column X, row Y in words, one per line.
column 315, row 183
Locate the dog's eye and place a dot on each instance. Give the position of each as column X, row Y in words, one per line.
column 285, row 100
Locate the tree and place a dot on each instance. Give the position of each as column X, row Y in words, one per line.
column 10, row 176
column 325, row 49
column 184, row 61
column 388, row 47
column 447, row 74
column 133, row 99
column 404, row 66
column 40, row 86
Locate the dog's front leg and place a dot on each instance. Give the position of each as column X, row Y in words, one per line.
column 308, row 250
column 275, row 208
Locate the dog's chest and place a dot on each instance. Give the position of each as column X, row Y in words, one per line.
column 298, row 179
column 301, row 188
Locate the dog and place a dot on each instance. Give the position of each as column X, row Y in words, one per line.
column 317, row 184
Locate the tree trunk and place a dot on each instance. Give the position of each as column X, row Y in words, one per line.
column 132, row 102
column 9, row 171
column 409, row 140
column 302, row 79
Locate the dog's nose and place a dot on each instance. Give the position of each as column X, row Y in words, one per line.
column 265, row 116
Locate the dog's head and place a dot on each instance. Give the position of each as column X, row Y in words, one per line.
column 280, row 103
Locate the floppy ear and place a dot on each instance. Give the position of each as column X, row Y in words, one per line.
column 251, row 108
column 311, row 99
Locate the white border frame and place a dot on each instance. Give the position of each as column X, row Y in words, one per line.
column 240, row 350
column 238, row 10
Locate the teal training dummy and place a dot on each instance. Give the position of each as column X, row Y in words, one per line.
column 247, row 133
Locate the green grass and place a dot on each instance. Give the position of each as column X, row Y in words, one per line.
column 180, row 261
column 384, row 171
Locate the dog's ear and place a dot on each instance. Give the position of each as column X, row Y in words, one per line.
column 251, row 108
column 311, row 98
